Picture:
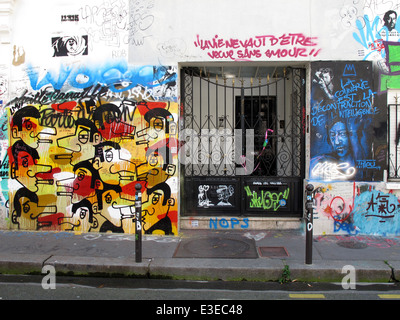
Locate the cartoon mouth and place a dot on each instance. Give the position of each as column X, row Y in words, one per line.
column 45, row 181
column 64, row 190
column 50, row 210
column 63, row 156
column 124, row 211
column 64, row 193
column 142, row 142
column 45, row 141
column 127, row 178
column 127, row 137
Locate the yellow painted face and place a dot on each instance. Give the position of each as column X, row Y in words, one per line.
column 79, row 144
column 114, row 168
column 116, row 208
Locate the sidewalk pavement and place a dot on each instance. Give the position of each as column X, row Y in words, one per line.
column 253, row 255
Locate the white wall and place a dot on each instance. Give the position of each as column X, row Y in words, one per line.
column 158, row 32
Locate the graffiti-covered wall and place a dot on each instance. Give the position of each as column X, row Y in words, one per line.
column 81, row 126
column 90, row 106
column 77, row 155
column 347, row 147
column 356, row 208
column 349, row 138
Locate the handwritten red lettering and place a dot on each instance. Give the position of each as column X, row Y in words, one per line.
column 293, row 45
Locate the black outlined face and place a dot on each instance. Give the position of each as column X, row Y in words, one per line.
column 80, row 144
column 113, row 167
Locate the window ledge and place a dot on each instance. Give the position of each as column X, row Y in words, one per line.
column 393, row 185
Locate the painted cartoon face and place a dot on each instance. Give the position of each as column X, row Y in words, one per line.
column 153, row 209
column 115, row 208
column 71, row 45
column 32, row 132
column 114, row 169
column 79, row 144
column 28, row 171
column 339, row 139
column 29, row 208
column 156, row 207
column 82, row 185
column 76, row 142
column 155, row 130
column 28, row 214
column 81, row 220
column 25, row 218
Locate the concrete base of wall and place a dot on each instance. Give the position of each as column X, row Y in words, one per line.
column 239, row 223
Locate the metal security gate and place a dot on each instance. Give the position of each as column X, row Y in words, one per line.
column 244, row 141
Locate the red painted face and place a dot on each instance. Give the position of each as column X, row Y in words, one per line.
column 82, row 183
column 28, row 170
column 25, row 160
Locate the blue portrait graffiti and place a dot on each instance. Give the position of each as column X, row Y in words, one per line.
column 342, row 113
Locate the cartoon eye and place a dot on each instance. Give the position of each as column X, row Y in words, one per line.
column 25, row 162
column 109, row 117
column 109, row 156
column 155, row 199
column 82, row 214
column 26, row 208
column 158, row 124
column 28, row 124
column 81, row 175
column 108, row 198
column 83, row 136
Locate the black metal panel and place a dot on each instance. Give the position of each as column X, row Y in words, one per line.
column 271, row 196
column 219, row 195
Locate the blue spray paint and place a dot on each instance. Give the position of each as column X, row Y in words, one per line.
column 117, row 75
column 376, row 212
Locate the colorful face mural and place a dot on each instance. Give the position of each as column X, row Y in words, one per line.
column 343, row 115
column 75, row 165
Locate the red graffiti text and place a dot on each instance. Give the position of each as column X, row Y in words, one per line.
column 292, row 45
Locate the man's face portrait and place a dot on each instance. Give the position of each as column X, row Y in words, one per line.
column 339, row 139
column 390, row 21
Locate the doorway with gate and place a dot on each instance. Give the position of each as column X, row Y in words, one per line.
column 243, row 134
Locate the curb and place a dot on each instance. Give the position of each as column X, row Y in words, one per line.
column 99, row 266
column 202, row 269
column 332, row 271
column 217, row 269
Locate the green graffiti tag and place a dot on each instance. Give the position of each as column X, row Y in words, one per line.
column 267, row 200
